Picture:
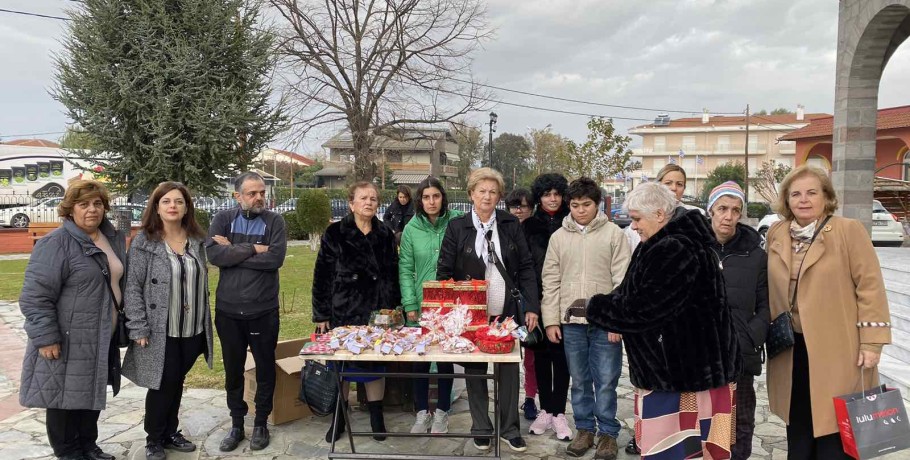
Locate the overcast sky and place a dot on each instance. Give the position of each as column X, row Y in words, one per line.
column 664, row 54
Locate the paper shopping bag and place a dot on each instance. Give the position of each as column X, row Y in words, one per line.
column 872, row 423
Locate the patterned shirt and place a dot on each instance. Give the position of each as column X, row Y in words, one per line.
column 185, row 310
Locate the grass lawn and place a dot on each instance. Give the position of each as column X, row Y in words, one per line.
column 296, row 283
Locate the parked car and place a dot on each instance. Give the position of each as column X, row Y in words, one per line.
column 621, row 218
column 20, row 216
column 886, row 229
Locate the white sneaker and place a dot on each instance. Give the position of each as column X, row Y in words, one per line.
column 542, row 423
column 561, row 427
column 440, row 422
column 422, row 424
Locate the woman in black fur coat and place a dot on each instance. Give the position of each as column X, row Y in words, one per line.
column 357, row 273
column 672, row 312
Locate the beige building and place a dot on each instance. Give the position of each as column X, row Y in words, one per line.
column 412, row 157
column 701, row 144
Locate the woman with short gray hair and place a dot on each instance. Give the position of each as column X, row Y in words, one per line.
column 672, row 314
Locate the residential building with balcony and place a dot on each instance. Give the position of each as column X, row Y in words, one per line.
column 701, row 144
column 414, row 155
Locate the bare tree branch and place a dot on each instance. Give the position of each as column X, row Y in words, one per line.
column 379, row 64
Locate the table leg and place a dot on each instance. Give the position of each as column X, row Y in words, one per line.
column 345, row 407
column 496, row 411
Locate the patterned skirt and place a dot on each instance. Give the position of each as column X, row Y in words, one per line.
column 673, row 426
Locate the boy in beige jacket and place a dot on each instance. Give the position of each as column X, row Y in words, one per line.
column 588, row 255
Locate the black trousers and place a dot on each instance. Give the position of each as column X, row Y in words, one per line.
column 71, row 431
column 552, row 377
column 745, row 417
column 801, row 441
column 163, row 405
column 261, row 335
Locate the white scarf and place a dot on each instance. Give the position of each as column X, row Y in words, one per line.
column 496, row 286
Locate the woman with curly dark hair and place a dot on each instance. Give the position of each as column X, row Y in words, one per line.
column 550, row 365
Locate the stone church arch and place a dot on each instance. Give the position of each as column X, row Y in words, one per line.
column 868, row 33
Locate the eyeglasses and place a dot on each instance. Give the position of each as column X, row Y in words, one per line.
column 519, row 208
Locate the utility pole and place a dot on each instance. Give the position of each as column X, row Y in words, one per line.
column 746, row 165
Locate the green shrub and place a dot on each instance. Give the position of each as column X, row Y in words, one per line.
column 204, row 219
column 314, row 211
column 293, row 226
column 758, row 210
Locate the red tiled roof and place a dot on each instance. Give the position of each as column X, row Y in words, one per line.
column 890, row 118
column 296, row 156
column 720, row 120
column 33, row 143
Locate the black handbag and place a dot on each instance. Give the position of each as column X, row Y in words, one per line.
column 780, row 334
column 319, row 388
column 535, row 337
column 121, row 334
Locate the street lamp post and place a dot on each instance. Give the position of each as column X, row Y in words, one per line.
column 493, row 118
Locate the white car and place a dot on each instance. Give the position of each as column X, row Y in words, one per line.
column 20, row 216
column 886, row 229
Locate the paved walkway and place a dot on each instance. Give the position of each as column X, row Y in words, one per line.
column 204, row 420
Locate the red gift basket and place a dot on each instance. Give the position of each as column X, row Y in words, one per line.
column 492, row 344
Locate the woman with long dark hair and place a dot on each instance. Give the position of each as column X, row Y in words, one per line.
column 167, row 311
column 418, row 255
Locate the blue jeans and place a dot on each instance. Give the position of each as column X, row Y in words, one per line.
column 595, row 365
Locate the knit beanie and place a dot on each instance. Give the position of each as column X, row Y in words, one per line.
column 729, row 188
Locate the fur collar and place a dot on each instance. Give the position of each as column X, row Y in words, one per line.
column 348, row 226
column 687, row 223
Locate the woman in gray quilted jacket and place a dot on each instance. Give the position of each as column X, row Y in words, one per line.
column 167, row 310
column 73, row 283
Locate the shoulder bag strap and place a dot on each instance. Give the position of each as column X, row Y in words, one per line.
column 513, row 290
column 799, row 274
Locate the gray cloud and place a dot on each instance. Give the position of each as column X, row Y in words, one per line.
column 671, row 54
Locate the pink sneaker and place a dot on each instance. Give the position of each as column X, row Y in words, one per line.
column 542, row 423
column 561, row 427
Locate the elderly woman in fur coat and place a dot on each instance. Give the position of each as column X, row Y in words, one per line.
column 356, row 274
column 672, row 313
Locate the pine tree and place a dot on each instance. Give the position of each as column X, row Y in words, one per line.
column 169, row 89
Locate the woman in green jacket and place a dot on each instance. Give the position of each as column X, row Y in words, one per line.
column 418, row 254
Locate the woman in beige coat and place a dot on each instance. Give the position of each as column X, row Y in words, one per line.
column 840, row 313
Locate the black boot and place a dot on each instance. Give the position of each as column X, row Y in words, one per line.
column 337, row 424
column 377, row 422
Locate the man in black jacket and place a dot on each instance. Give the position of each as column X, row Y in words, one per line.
column 247, row 244
column 744, row 266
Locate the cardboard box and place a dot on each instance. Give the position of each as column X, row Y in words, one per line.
column 286, row 406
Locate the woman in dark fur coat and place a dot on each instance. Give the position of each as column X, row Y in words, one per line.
column 672, row 313
column 357, row 273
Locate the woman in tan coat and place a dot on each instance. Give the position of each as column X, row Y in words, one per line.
column 840, row 313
